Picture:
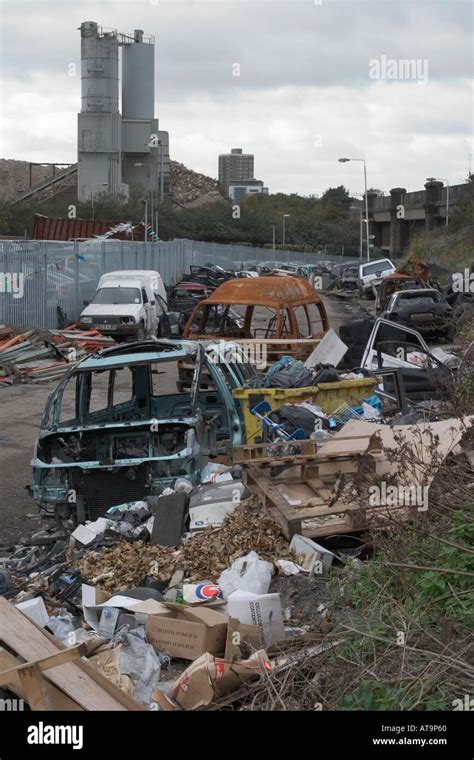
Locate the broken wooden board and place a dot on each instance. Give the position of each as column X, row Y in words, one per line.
column 78, row 680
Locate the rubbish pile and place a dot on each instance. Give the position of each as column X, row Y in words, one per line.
column 38, row 356
column 188, row 612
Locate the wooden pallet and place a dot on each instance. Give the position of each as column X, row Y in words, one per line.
column 274, row 453
column 312, row 507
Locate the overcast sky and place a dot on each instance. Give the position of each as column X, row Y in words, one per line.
column 306, row 93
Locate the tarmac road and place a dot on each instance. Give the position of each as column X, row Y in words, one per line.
column 21, row 410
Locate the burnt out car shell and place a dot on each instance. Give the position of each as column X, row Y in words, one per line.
column 122, row 441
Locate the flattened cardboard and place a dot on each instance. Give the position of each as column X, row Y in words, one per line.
column 241, row 638
column 209, row 678
column 188, row 632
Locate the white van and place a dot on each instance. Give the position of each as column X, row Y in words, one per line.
column 127, row 304
column 372, row 273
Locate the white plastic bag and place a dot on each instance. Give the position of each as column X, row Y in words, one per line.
column 248, row 573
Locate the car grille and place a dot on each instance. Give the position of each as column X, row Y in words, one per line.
column 106, row 320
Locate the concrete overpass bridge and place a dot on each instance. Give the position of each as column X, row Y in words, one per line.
column 396, row 218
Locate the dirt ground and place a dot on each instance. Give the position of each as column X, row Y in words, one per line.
column 21, row 410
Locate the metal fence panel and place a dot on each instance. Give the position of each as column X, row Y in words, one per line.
column 57, row 277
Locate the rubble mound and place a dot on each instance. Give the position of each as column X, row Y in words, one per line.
column 15, row 177
column 191, row 189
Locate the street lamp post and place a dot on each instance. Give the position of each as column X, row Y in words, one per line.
column 285, row 216
column 442, row 179
column 100, row 184
column 161, row 170
column 358, row 208
column 343, row 161
column 145, row 202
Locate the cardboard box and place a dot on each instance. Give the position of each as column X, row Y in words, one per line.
column 212, row 514
column 209, row 678
column 188, row 632
column 311, row 556
column 94, row 600
column 261, row 610
column 35, row 610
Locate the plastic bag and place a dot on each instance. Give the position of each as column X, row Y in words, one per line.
column 62, row 626
column 139, row 661
column 248, row 573
column 214, row 472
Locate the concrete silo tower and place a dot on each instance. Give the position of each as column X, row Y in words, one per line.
column 99, row 166
column 145, row 148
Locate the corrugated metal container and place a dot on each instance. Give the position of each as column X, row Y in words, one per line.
column 45, row 228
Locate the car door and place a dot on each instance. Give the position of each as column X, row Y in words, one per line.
column 390, row 345
column 149, row 310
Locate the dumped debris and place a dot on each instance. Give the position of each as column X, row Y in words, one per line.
column 204, row 556
column 199, row 586
column 38, row 356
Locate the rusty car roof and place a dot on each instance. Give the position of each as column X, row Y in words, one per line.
column 264, row 291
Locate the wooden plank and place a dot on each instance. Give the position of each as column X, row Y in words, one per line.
column 29, row 641
column 345, row 448
column 59, row 701
column 268, row 453
column 288, row 527
column 33, row 684
column 44, row 663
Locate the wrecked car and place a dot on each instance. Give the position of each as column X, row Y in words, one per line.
column 349, row 275
column 424, row 371
column 423, row 309
column 371, row 275
column 392, row 284
column 275, row 312
column 117, row 428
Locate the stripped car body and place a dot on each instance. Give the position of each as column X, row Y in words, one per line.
column 283, row 314
column 113, row 432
